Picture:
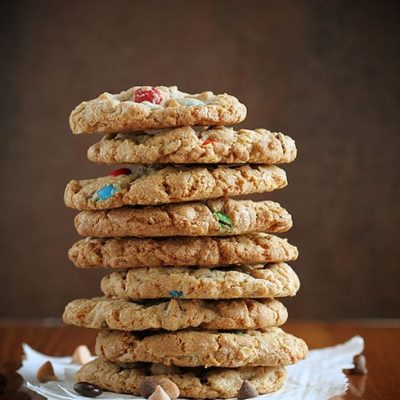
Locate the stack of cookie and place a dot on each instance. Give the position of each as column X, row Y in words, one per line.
column 196, row 274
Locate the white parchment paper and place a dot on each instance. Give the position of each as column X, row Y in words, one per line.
column 319, row 377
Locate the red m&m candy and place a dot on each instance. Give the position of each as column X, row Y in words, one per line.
column 152, row 95
column 208, row 141
column 121, row 171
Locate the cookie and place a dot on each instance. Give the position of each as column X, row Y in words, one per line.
column 161, row 185
column 175, row 314
column 146, row 107
column 197, row 383
column 186, row 251
column 190, row 145
column 256, row 281
column 220, row 217
column 190, row 348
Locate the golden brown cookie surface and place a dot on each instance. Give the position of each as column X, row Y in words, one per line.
column 146, row 107
column 163, row 185
column 188, row 348
column 252, row 281
column 175, row 314
column 219, row 217
column 194, row 145
column 181, row 251
column 197, row 383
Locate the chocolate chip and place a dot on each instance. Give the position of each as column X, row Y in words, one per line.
column 87, row 389
column 247, row 391
column 203, row 380
column 360, row 366
column 3, row 383
column 10, row 382
column 147, row 387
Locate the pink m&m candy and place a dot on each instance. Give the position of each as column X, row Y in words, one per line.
column 152, row 95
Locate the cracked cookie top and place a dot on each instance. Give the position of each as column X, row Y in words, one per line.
column 147, row 107
column 207, row 252
column 201, row 145
column 189, row 348
column 175, row 314
column 194, row 383
column 171, row 184
column 234, row 282
column 218, row 217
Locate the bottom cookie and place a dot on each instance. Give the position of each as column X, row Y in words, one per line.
column 197, row 383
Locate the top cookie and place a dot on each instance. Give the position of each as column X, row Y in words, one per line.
column 146, row 107
column 195, row 145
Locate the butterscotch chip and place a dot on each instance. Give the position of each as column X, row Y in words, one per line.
column 145, row 107
column 154, row 185
column 46, row 373
column 159, row 394
column 187, row 348
column 170, row 388
column 186, row 251
column 175, row 314
column 81, row 355
column 256, row 281
column 221, row 217
column 199, row 383
column 188, row 145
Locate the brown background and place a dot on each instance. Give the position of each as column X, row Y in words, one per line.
column 325, row 72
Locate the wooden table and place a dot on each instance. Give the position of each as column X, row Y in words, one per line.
column 382, row 349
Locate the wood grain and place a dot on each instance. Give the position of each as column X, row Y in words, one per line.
column 382, row 348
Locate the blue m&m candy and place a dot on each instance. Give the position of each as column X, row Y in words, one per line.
column 106, row 192
column 176, row 293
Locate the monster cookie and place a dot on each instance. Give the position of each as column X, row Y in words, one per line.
column 187, row 251
column 197, row 383
column 186, row 145
column 146, row 107
column 175, row 314
column 153, row 185
column 189, row 306
column 256, row 281
column 221, row 217
column 188, row 348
